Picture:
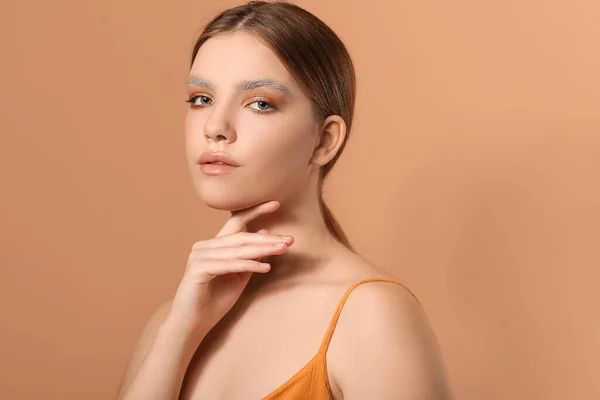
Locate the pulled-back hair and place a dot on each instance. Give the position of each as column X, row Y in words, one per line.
column 313, row 54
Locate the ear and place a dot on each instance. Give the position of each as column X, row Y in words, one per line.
column 331, row 137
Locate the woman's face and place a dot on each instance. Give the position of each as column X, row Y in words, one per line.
column 246, row 105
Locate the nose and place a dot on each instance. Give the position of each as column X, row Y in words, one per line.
column 218, row 128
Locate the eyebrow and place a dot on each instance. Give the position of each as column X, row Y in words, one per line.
column 242, row 86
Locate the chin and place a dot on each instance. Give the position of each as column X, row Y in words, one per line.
column 229, row 196
column 229, row 202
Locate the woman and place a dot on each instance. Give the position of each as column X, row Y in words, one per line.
column 258, row 313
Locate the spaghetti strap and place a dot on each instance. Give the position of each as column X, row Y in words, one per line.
column 338, row 311
column 312, row 380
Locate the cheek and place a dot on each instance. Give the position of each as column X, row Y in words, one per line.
column 283, row 150
column 283, row 167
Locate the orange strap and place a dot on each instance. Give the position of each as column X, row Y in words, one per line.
column 338, row 311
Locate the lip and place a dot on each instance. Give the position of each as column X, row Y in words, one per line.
column 212, row 157
column 209, row 157
column 216, row 169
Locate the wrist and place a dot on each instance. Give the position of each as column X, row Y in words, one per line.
column 183, row 329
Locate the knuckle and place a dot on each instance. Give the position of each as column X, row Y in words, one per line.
column 247, row 236
column 198, row 245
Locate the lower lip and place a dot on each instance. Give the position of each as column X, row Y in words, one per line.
column 216, row 169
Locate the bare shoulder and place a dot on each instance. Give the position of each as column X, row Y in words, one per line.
column 145, row 339
column 384, row 347
column 354, row 267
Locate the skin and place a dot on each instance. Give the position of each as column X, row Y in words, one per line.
column 279, row 320
column 280, row 151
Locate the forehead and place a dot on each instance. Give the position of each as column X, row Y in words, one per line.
column 236, row 56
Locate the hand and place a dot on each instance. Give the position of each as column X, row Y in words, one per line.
column 219, row 269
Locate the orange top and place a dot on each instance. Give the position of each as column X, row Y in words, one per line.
column 311, row 381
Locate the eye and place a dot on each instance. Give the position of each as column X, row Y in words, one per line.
column 198, row 100
column 263, row 106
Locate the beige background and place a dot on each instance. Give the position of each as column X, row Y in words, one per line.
column 472, row 176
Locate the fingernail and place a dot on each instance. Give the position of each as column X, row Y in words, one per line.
column 265, row 265
column 285, row 237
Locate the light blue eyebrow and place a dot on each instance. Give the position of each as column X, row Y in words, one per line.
column 242, row 86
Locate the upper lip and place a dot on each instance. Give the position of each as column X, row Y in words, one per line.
column 211, row 157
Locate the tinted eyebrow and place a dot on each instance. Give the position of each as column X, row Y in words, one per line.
column 243, row 85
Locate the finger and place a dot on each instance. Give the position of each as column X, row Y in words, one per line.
column 222, row 267
column 249, row 252
column 242, row 239
column 238, row 220
column 264, row 231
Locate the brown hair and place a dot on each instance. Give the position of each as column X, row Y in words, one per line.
column 313, row 54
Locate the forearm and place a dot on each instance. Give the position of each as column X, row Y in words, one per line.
column 161, row 374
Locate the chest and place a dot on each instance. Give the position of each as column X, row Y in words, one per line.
column 259, row 346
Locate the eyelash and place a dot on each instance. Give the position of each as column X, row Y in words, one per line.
column 192, row 99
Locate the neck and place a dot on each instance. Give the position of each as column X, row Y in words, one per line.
column 313, row 242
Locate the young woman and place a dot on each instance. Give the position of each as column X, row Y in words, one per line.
column 277, row 305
